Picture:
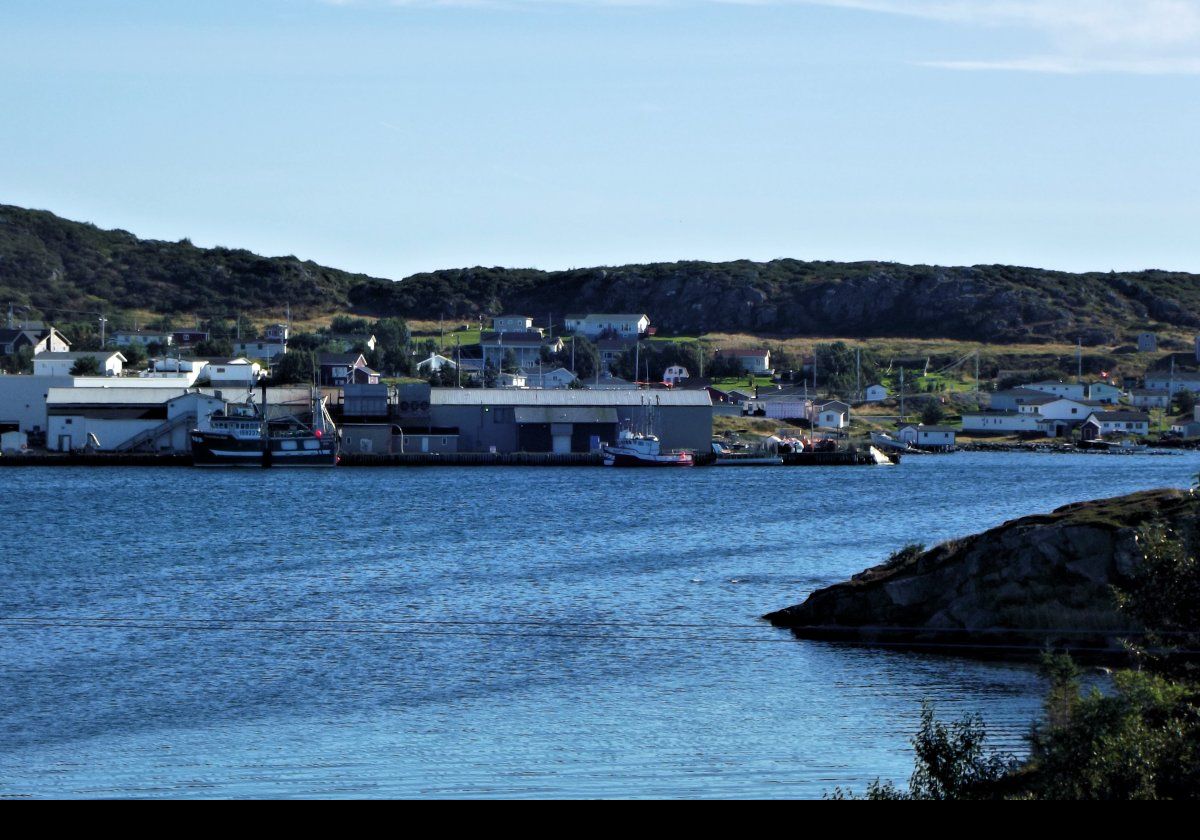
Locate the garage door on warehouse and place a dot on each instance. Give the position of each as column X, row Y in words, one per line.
column 570, row 427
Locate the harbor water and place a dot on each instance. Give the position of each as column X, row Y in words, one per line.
column 485, row 631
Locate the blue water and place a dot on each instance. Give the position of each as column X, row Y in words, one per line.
column 483, row 632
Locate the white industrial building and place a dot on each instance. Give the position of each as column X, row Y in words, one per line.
column 125, row 419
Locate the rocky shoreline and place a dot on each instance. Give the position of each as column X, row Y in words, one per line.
column 1032, row 583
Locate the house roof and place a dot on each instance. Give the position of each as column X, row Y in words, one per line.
column 1027, row 394
column 326, row 359
column 71, row 356
column 614, row 344
column 744, row 351
column 513, row 339
column 608, row 316
column 1120, row 416
column 34, row 334
column 1055, row 383
column 1149, row 392
column 1090, row 403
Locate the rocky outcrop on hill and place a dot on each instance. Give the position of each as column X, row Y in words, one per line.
column 1037, row 581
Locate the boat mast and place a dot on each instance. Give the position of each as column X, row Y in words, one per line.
column 265, row 424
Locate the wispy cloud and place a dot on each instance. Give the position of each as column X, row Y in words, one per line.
column 1066, row 36
column 1072, row 36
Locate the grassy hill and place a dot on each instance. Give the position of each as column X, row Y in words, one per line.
column 48, row 262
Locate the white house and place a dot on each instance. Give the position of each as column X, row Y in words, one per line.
column 1070, row 390
column 510, row 380
column 526, row 347
column 111, row 362
column 1104, row 392
column 1003, row 422
column 1174, row 384
column 1186, row 430
column 1069, row 410
column 831, row 415
column 594, row 325
column 557, row 378
column 127, row 338
column 752, row 359
column 40, row 339
column 1103, row 423
column 792, row 405
column 876, row 393
column 675, row 374
column 929, row 437
column 233, row 373
column 1149, row 398
column 170, row 364
column 260, row 348
column 1017, row 399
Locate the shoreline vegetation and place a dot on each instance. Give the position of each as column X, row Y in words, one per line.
column 1116, row 578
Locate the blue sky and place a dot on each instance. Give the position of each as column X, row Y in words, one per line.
column 399, row 137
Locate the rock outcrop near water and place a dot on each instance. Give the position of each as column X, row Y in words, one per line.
column 1037, row 581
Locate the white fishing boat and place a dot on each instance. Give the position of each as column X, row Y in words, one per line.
column 643, row 450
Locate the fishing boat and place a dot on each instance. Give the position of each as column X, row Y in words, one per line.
column 634, row 449
column 253, row 434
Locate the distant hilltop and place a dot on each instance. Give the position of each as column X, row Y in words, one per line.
column 50, row 262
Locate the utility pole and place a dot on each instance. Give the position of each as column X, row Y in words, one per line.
column 10, row 316
column 858, row 373
column 976, row 371
column 103, row 325
column 457, row 362
column 1079, row 360
column 901, row 395
column 637, row 360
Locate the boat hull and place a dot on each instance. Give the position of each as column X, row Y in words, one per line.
column 626, row 459
column 217, row 450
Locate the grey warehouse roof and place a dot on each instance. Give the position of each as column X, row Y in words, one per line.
column 560, row 397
